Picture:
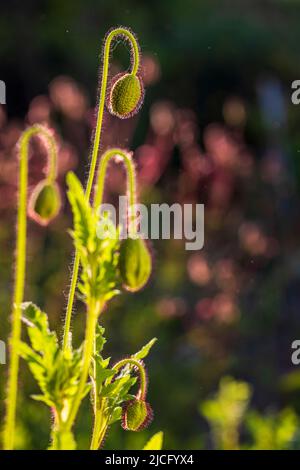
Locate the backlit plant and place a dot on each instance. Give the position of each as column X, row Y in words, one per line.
column 103, row 264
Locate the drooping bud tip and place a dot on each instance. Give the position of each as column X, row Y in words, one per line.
column 126, row 95
column 137, row 414
column 45, row 202
column 135, row 264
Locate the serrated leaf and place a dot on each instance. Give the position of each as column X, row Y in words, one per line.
column 114, row 388
column 57, row 372
column 99, row 275
column 28, row 354
column 43, row 399
column 155, row 442
column 102, row 372
column 42, row 339
column 82, row 212
column 100, row 340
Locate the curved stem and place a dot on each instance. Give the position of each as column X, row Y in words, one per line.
column 127, row 160
column 52, row 157
column 20, row 271
column 101, row 420
column 142, row 373
column 131, row 182
column 135, row 66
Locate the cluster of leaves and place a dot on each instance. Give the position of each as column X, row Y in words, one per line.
column 273, row 431
column 229, row 409
column 112, row 386
column 59, row 371
column 226, row 410
column 98, row 254
column 56, row 371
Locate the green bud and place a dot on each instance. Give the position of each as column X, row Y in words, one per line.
column 135, row 263
column 126, row 95
column 136, row 415
column 45, row 202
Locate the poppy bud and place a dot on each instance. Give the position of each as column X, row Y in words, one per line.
column 126, row 95
column 136, row 415
column 135, row 264
column 45, row 202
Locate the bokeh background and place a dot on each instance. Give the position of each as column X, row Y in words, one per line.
column 217, row 127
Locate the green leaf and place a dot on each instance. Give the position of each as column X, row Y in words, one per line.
column 43, row 399
column 99, row 276
column 28, row 354
column 145, row 350
column 155, row 442
column 102, row 372
column 35, row 364
column 82, row 213
column 57, row 372
column 100, row 340
column 118, row 387
column 116, row 415
column 42, row 339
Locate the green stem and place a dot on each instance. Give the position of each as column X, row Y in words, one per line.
column 97, row 136
column 52, row 158
column 142, row 373
column 131, row 179
column 94, row 309
column 101, row 420
column 25, row 139
column 100, row 426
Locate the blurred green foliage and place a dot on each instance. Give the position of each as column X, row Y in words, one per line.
column 226, row 411
column 229, row 410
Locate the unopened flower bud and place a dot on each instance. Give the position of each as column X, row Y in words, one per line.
column 126, row 95
column 45, row 202
column 136, row 415
column 135, row 263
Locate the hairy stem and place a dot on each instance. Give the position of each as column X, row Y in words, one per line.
column 106, row 157
column 101, row 419
column 19, row 283
column 97, row 136
column 93, row 311
column 141, row 370
column 100, row 425
column 131, row 181
column 60, row 438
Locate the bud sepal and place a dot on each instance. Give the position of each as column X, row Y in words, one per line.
column 45, row 202
column 137, row 414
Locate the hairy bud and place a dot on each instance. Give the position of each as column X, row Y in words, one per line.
column 136, row 415
column 126, row 95
column 45, row 202
column 135, row 264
